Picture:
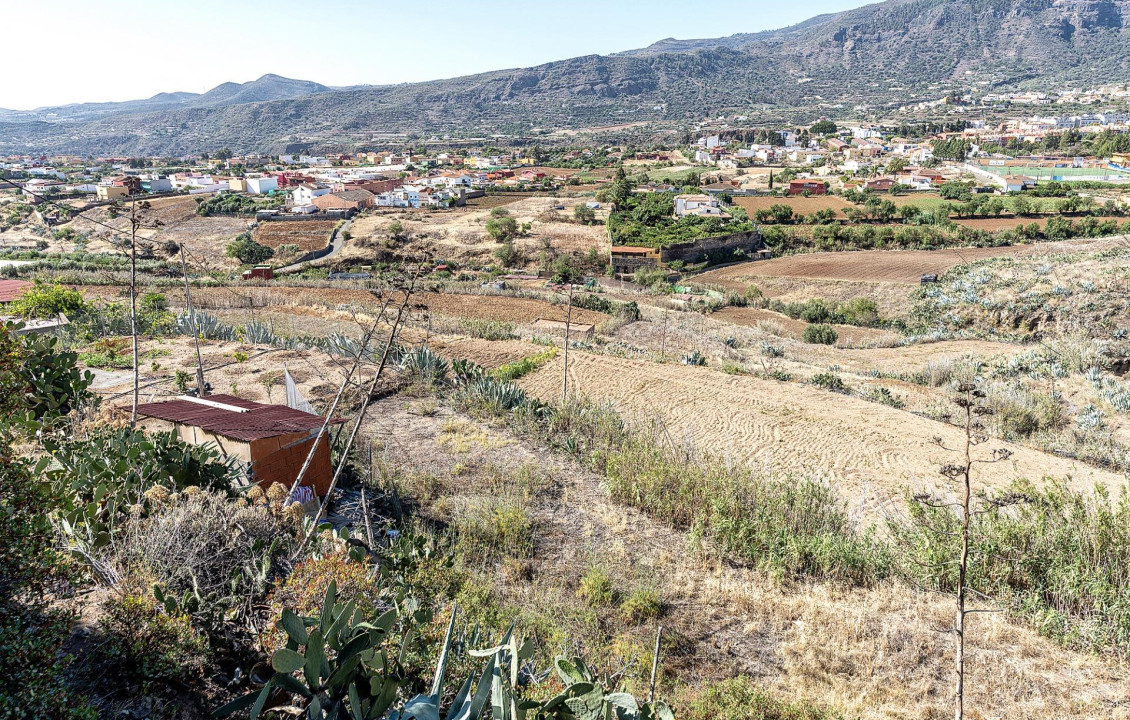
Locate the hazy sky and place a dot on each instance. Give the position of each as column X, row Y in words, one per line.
column 64, row 51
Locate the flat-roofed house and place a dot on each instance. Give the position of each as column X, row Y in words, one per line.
column 273, row 439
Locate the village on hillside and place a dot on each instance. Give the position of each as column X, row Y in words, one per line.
column 711, row 419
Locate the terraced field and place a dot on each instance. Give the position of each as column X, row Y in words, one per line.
column 869, row 452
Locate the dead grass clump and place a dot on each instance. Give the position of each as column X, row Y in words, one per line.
column 203, row 540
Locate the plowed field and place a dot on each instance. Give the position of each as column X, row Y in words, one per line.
column 307, row 235
column 867, row 450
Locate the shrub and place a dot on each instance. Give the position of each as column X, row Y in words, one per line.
column 886, row 397
column 596, row 587
column 859, row 311
column 494, row 529
column 1059, row 558
column 209, row 543
column 787, row 526
column 642, row 603
column 829, row 381
column 501, row 228
column 507, row 254
column 247, row 251
column 820, row 335
column 143, row 642
column 739, row 699
column 32, row 634
column 47, row 301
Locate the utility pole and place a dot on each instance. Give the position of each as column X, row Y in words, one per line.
column 192, row 320
column 663, row 343
column 565, row 371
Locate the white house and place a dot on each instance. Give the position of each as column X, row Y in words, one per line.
column 304, row 194
column 261, row 185
column 697, row 205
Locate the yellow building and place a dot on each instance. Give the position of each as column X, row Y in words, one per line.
column 109, row 192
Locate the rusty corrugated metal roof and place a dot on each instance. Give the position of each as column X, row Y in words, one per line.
column 261, row 420
column 12, row 289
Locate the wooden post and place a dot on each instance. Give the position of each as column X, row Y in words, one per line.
column 195, row 332
column 654, row 664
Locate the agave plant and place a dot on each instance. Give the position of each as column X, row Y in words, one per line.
column 695, row 358
column 425, row 365
column 206, row 325
column 332, row 666
column 585, row 698
column 499, row 395
column 466, row 371
column 258, row 333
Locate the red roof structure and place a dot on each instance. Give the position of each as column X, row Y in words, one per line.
column 12, row 289
column 251, row 421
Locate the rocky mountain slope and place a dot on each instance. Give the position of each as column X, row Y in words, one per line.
column 889, row 51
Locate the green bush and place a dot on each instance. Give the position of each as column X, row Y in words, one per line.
column 820, row 335
column 829, row 381
column 596, row 587
column 641, row 604
column 144, row 642
column 247, row 251
column 1059, row 558
column 740, row 699
column 32, row 634
column 47, row 301
column 787, row 526
column 520, row 368
column 886, row 397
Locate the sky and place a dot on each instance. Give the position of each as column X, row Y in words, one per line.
column 71, row 51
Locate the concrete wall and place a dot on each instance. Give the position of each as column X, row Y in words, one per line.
column 699, row 250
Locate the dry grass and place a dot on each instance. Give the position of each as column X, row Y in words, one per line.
column 869, row 451
column 460, row 235
column 875, row 654
column 784, row 326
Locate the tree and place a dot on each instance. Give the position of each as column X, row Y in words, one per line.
column 247, row 251
column 224, row 154
column 502, row 228
column 507, row 254
column 823, row 127
column 584, row 214
column 781, row 213
column 897, row 165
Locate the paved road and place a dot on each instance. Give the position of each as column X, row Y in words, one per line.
column 336, row 240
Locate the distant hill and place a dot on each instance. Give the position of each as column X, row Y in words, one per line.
column 268, row 87
column 883, row 53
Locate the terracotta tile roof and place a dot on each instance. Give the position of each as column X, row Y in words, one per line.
column 358, row 195
column 12, row 289
column 261, row 420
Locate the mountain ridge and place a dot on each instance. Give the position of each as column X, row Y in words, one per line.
column 895, row 51
column 264, row 88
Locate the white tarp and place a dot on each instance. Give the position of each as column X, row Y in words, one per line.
column 294, row 398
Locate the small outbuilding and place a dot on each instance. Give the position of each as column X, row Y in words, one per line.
column 273, row 440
